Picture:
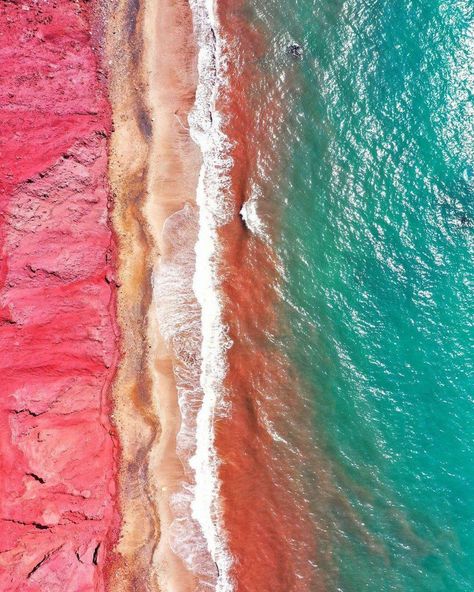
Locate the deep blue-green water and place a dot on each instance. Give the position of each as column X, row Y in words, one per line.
column 377, row 204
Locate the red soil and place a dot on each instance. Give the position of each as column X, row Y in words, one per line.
column 57, row 303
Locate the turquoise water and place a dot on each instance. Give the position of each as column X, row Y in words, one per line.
column 377, row 200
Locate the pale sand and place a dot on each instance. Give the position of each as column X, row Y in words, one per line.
column 154, row 170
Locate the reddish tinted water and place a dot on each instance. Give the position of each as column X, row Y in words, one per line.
column 266, row 516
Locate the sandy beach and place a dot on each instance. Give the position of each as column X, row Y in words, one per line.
column 154, row 170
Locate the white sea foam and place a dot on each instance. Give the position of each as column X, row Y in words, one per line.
column 250, row 216
column 212, row 195
column 190, row 317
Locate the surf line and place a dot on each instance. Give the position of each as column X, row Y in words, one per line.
column 214, row 210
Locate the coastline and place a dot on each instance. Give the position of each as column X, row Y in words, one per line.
column 154, row 169
column 183, row 251
column 263, row 494
column 230, row 302
column 203, row 390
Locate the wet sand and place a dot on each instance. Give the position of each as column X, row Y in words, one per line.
column 154, row 167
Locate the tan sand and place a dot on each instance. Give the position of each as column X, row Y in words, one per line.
column 153, row 170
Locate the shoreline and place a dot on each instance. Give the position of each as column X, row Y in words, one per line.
column 197, row 298
column 201, row 305
column 262, row 495
column 154, row 169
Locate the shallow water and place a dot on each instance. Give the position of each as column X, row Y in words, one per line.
column 370, row 212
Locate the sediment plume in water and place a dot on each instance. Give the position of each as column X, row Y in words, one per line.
column 266, row 513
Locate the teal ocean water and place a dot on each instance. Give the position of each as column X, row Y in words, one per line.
column 376, row 200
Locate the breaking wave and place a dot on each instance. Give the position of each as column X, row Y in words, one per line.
column 189, row 311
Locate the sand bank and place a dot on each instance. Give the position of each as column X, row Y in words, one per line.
column 154, row 169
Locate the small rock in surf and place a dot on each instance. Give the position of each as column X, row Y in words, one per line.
column 295, row 50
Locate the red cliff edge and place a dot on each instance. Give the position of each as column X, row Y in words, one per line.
column 58, row 337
